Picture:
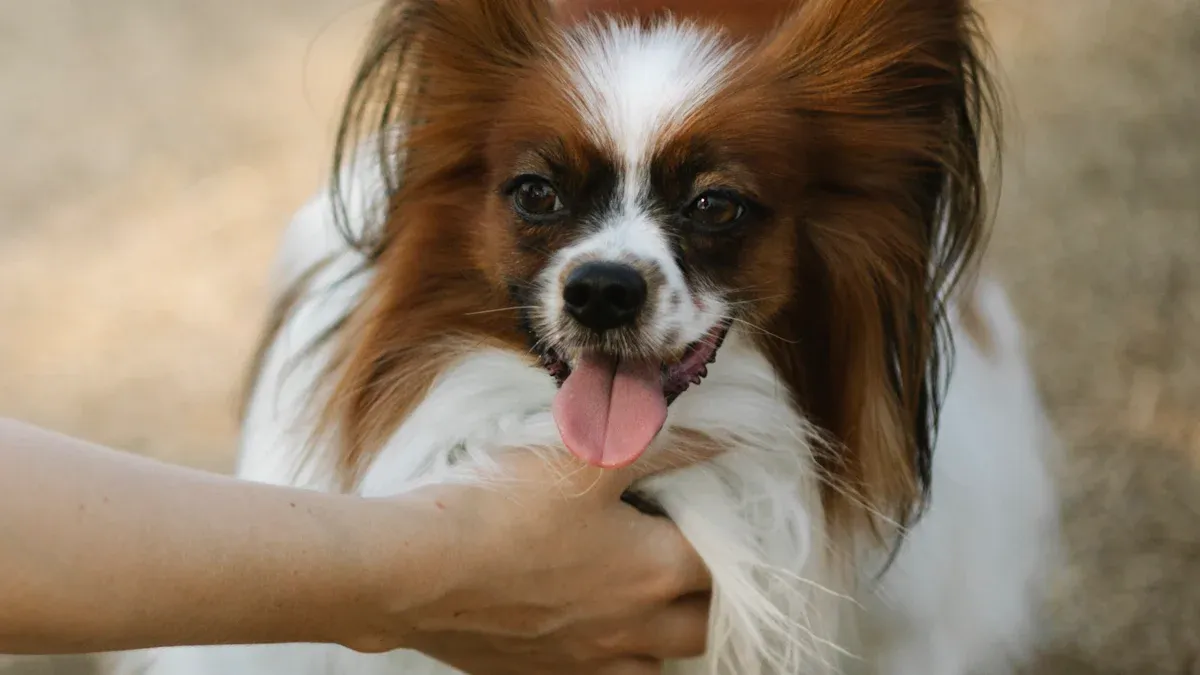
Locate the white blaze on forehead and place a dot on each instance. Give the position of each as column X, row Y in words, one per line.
column 631, row 88
column 633, row 84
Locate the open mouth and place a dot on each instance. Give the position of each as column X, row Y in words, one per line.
column 691, row 368
column 609, row 409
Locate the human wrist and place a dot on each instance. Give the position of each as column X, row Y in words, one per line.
column 406, row 564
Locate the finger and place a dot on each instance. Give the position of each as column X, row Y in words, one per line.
column 576, row 477
column 679, row 631
column 677, row 565
column 613, row 483
column 548, row 468
column 690, row 448
column 561, row 471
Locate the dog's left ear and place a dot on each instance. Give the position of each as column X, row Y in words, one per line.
column 890, row 98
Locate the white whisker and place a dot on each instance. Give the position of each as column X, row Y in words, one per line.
column 763, row 331
column 502, row 309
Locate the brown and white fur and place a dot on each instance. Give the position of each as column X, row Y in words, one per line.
column 882, row 503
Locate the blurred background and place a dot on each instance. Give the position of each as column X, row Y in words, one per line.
column 151, row 151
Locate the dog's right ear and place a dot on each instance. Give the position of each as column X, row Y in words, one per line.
column 470, row 48
column 433, row 74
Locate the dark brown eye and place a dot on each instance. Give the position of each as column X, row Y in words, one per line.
column 715, row 210
column 536, row 199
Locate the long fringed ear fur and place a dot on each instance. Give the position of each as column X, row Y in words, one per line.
column 432, row 71
column 893, row 100
column 427, row 91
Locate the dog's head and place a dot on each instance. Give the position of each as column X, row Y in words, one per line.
column 633, row 179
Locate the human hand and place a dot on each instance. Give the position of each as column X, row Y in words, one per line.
column 553, row 573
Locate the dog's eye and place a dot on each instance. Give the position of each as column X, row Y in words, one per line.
column 536, row 199
column 715, row 210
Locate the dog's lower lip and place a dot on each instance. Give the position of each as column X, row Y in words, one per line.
column 691, row 368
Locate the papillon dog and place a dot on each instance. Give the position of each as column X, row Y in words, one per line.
column 617, row 228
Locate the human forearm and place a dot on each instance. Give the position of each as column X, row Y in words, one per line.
column 102, row 551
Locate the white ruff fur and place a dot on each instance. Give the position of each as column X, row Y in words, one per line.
column 959, row 596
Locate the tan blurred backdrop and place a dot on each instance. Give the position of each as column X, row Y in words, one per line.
column 152, row 150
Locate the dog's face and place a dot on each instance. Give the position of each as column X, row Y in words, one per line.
column 637, row 182
column 643, row 200
column 635, row 209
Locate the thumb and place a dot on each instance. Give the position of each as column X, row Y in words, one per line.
column 573, row 476
column 563, row 472
column 691, row 449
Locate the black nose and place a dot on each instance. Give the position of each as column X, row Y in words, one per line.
column 603, row 296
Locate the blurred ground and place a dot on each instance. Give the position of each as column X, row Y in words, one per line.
column 153, row 150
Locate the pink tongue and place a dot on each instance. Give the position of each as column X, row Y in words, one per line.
column 609, row 412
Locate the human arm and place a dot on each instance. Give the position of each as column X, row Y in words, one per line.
column 100, row 551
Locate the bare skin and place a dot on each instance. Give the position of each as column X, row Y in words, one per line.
column 552, row 573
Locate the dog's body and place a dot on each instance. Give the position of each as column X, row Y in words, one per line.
column 821, row 398
column 958, row 596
